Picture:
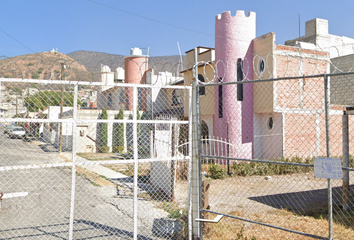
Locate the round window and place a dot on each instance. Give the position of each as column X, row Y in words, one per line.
column 270, row 122
column 261, row 66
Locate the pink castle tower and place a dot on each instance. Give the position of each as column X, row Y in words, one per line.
column 233, row 118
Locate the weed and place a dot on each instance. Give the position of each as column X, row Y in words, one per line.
column 261, row 169
column 217, row 172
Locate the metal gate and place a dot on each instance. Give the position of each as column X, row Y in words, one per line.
column 258, row 140
column 73, row 170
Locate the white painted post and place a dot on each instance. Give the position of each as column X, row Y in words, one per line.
column 73, row 169
column 136, row 164
column 190, row 139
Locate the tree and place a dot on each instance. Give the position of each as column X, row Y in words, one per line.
column 103, row 136
column 42, row 100
column 118, row 133
column 129, row 131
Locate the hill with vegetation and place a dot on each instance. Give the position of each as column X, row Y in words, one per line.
column 79, row 65
column 93, row 60
column 46, row 65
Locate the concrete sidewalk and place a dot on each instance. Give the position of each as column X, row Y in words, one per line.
column 97, row 168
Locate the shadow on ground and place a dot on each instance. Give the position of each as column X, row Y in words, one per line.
column 83, row 229
column 313, row 203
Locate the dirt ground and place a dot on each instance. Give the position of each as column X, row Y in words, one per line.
column 256, row 194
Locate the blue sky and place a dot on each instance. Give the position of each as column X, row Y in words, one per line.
column 115, row 26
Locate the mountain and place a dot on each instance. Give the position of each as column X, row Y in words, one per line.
column 47, row 65
column 93, row 60
column 79, row 65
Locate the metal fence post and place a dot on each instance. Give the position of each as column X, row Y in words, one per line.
column 330, row 209
column 345, row 161
column 196, row 187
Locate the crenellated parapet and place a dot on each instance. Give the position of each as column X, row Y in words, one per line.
column 234, row 32
column 233, row 41
column 239, row 14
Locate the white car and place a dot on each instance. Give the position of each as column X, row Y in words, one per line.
column 17, row 132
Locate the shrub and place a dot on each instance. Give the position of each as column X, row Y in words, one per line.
column 103, row 149
column 217, row 172
column 118, row 133
column 259, row 168
column 118, row 149
column 103, row 140
column 35, row 76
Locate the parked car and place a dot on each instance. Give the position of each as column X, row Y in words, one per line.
column 17, row 132
column 8, row 128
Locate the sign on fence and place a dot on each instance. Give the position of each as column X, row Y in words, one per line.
column 329, row 168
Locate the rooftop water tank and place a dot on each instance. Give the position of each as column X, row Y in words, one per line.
column 136, row 51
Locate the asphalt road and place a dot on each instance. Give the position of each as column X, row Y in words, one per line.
column 38, row 201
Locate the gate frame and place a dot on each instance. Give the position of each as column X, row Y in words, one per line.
column 345, row 166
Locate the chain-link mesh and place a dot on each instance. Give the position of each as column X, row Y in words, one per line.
column 258, row 144
column 117, row 165
column 111, row 168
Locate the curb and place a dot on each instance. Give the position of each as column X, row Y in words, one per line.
column 91, row 176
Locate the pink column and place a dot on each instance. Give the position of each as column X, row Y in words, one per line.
column 135, row 67
column 233, row 41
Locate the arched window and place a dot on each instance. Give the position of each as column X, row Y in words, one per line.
column 176, row 97
column 204, row 132
column 121, row 96
column 201, row 89
column 110, row 100
column 239, row 79
column 221, row 113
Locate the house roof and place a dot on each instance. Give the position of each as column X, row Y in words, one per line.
column 173, row 111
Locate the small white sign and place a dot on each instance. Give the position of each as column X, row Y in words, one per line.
column 330, row 168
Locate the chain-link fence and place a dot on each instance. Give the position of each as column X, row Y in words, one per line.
column 93, row 160
column 117, row 165
column 258, row 143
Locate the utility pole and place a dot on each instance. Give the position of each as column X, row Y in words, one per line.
column 61, row 109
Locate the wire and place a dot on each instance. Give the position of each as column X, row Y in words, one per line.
column 151, row 19
column 17, row 40
column 161, row 22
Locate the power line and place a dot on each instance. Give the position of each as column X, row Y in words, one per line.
column 151, row 19
column 162, row 22
column 17, row 40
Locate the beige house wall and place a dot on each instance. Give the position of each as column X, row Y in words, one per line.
column 263, row 48
column 207, row 100
column 206, row 57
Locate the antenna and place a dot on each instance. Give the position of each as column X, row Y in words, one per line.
column 299, row 25
column 180, row 55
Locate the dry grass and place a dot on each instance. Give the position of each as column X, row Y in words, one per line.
column 229, row 228
column 98, row 156
column 237, row 196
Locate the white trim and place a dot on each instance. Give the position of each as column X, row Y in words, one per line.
column 15, row 194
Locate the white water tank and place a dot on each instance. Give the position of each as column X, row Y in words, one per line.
column 136, row 51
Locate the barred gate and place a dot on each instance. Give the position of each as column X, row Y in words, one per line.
column 260, row 174
column 91, row 172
